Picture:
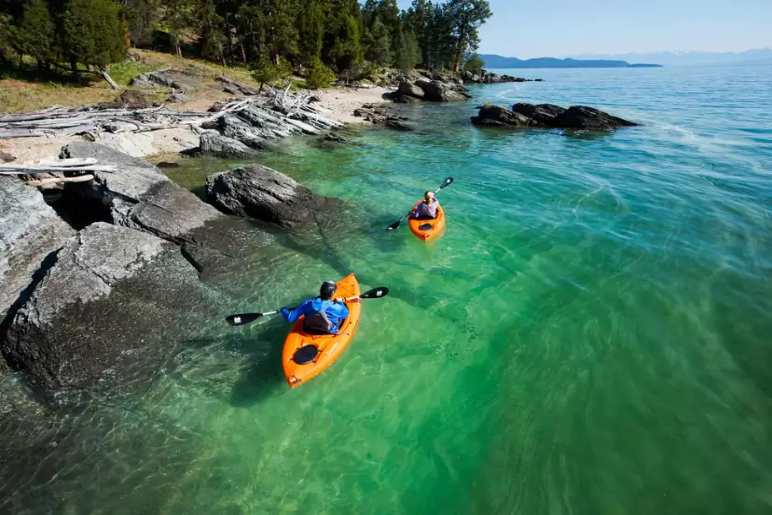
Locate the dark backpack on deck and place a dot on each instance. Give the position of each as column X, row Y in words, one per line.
column 317, row 323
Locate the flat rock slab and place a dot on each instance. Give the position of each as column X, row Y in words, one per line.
column 29, row 232
column 85, row 315
column 265, row 194
column 139, row 195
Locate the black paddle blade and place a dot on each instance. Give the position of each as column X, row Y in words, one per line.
column 394, row 225
column 446, row 183
column 375, row 293
column 243, row 318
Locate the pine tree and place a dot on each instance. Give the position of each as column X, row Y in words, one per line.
column 142, row 17
column 311, row 22
column 342, row 45
column 210, row 31
column 408, row 54
column 467, row 17
column 36, row 35
column 377, row 43
column 94, row 34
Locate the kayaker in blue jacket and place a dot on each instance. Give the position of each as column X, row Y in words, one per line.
column 425, row 209
column 322, row 314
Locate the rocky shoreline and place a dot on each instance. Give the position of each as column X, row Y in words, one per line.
column 123, row 249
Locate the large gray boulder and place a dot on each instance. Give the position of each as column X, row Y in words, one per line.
column 438, row 91
column 109, row 289
column 214, row 143
column 30, row 231
column 263, row 193
column 139, row 195
column 409, row 89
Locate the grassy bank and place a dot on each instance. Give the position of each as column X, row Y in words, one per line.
column 22, row 91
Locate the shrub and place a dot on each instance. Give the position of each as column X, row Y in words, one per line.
column 319, row 76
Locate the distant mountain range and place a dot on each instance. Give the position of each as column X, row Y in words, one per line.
column 759, row 56
column 497, row 61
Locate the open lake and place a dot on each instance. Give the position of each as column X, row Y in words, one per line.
column 592, row 336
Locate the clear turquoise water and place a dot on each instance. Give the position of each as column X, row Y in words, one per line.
column 591, row 336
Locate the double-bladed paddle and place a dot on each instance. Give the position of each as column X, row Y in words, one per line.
column 246, row 318
column 447, row 182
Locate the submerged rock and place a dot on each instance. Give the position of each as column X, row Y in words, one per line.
column 548, row 116
column 30, row 231
column 71, row 333
column 263, row 193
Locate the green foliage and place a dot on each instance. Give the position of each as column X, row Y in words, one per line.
column 125, row 71
column 267, row 72
column 36, row 35
column 408, row 53
column 467, row 16
column 94, row 32
column 474, row 64
column 319, row 76
column 343, row 48
column 311, row 22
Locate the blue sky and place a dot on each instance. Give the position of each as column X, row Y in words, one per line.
column 528, row 28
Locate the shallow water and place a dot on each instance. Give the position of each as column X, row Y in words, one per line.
column 591, row 336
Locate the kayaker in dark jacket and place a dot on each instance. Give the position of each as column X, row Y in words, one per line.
column 425, row 209
column 323, row 314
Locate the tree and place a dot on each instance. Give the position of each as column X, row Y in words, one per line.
column 319, row 76
column 311, row 23
column 377, row 43
column 211, row 36
column 178, row 19
column 474, row 64
column 266, row 72
column 467, row 16
column 408, row 54
column 36, row 35
column 342, row 46
column 142, row 17
column 94, row 34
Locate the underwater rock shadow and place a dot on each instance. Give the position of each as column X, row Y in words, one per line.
column 264, row 376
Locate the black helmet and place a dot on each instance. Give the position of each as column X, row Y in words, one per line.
column 327, row 290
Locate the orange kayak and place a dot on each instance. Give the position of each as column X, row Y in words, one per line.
column 428, row 229
column 305, row 356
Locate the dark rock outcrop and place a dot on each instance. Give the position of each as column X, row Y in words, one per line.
column 29, row 232
column 138, row 195
column 545, row 114
column 93, row 313
column 383, row 116
column 589, row 118
column 548, row 116
column 265, row 194
column 486, row 77
column 437, row 89
column 495, row 116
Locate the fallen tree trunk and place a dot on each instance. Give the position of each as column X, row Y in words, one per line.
column 58, row 180
column 106, row 77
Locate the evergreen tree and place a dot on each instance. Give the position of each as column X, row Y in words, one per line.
column 142, row 17
column 467, row 16
column 178, row 18
column 342, row 45
column 408, row 53
column 311, row 22
column 94, row 34
column 377, row 43
column 36, row 34
column 211, row 32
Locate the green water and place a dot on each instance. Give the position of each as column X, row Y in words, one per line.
column 591, row 336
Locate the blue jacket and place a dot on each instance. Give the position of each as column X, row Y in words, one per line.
column 336, row 311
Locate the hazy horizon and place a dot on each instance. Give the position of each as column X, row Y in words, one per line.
column 565, row 28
